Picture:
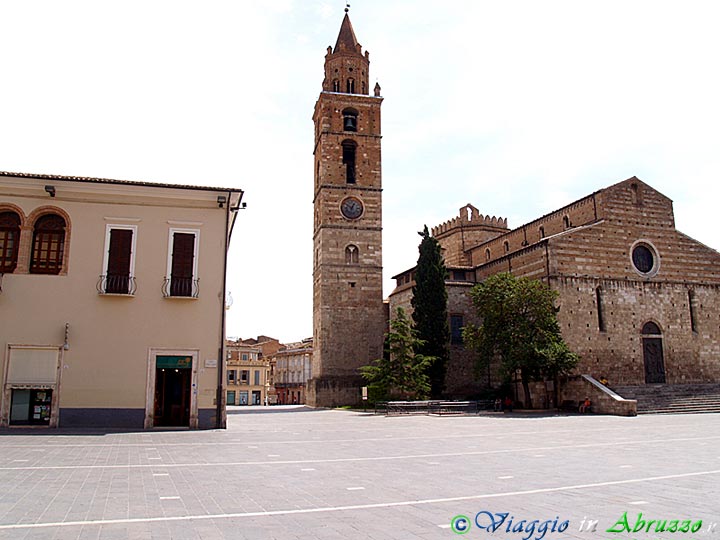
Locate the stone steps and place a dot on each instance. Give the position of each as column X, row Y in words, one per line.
column 673, row 398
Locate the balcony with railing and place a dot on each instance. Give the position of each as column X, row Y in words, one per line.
column 176, row 287
column 122, row 285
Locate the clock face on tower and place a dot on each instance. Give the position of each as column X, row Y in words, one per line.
column 351, row 208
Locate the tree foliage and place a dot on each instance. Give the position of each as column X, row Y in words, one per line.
column 430, row 309
column 520, row 328
column 403, row 373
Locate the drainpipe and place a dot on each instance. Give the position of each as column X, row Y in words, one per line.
column 220, row 416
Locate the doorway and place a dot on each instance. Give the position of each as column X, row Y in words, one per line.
column 30, row 407
column 173, row 376
column 653, row 354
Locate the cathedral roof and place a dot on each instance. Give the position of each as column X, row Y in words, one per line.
column 346, row 38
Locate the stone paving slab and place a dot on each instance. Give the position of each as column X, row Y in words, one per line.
column 294, row 473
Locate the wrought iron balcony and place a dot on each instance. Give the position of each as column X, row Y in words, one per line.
column 116, row 284
column 181, row 287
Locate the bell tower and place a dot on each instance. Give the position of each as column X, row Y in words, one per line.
column 348, row 313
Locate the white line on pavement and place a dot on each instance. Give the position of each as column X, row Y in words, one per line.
column 327, row 509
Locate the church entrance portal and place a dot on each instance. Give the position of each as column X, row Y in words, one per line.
column 653, row 354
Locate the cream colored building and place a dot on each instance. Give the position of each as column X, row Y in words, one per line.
column 112, row 302
column 293, row 369
column 248, row 380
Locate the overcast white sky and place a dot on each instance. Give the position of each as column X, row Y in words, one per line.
column 516, row 107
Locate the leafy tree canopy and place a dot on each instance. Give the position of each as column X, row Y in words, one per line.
column 520, row 328
column 403, row 373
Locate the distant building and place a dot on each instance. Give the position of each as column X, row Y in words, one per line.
column 112, row 302
column 247, row 374
column 293, row 369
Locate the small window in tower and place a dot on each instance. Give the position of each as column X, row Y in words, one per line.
column 336, row 85
column 506, row 246
column 350, row 120
column 487, row 254
column 348, row 160
column 351, row 254
column 635, row 194
column 350, row 86
column 566, row 222
column 542, row 232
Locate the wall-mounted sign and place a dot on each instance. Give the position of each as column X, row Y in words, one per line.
column 210, row 362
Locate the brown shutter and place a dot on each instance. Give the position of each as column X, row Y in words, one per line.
column 119, row 254
column 182, row 264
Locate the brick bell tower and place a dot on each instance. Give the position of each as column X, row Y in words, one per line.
column 348, row 312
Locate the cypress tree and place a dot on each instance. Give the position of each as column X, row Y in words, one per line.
column 429, row 304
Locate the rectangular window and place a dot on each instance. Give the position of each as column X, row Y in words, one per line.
column 119, row 260
column 231, row 397
column 232, row 376
column 456, row 327
column 256, row 382
column 182, row 264
column 244, row 357
column 244, row 376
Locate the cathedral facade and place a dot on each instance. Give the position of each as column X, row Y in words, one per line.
column 639, row 301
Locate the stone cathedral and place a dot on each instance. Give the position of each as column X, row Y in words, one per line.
column 349, row 316
column 637, row 300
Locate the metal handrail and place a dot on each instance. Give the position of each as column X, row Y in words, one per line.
column 116, row 284
column 174, row 287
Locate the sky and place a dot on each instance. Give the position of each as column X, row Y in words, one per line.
column 518, row 108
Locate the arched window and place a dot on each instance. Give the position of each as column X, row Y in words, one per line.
column 566, row 222
column 350, row 86
column 335, row 85
column 48, row 245
column 506, row 246
column 600, row 309
column 9, row 241
column 348, row 160
column 487, row 254
column 651, row 329
column 692, row 307
column 350, row 120
column 351, row 254
column 542, row 232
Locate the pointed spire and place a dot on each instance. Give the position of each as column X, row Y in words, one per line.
column 346, row 38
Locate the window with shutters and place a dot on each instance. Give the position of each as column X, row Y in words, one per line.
column 119, row 261
column 9, row 241
column 182, row 280
column 48, row 245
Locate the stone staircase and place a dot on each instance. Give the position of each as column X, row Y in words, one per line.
column 673, row 398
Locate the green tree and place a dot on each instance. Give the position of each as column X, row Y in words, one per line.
column 520, row 328
column 430, row 309
column 401, row 374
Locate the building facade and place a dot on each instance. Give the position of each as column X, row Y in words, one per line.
column 112, row 302
column 348, row 313
column 293, row 369
column 639, row 301
column 248, row 378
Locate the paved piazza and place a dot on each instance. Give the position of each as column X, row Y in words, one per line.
column 290, row 473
